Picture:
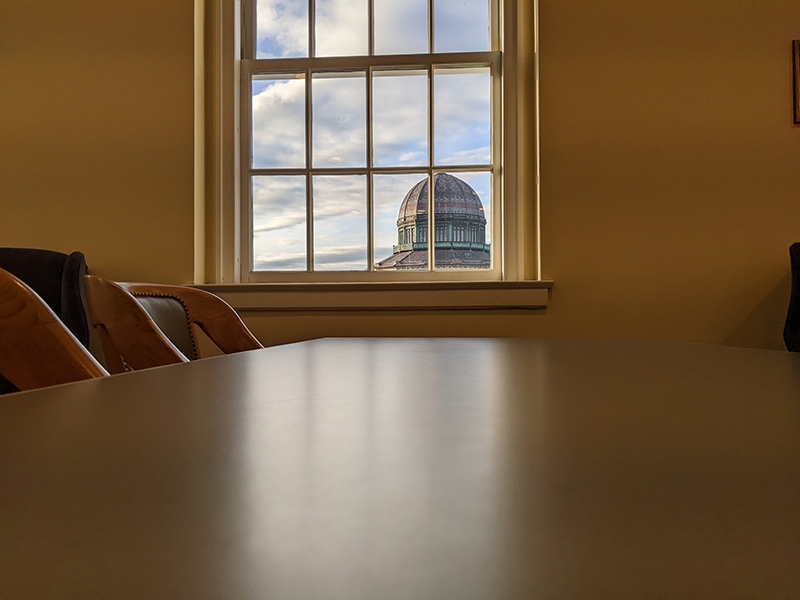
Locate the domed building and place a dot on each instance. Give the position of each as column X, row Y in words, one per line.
column 460, row 241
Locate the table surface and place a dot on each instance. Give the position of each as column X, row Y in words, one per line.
column 411, row 468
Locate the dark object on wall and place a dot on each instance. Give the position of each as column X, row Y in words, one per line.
column 791, row 331
column 796, row 78
column 58, row 279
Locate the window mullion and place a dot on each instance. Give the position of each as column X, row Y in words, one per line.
column 371, row 27
column 245, row 216
column 309, row 179
column 431, row 206
column 431, row 182
column 430, row 26
column 248, row 29
column 312, row 52
column 496, row 15
column 370, row 200
column 312, row 17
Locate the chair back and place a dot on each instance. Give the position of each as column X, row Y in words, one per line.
column 36, row 348
column 57, row 278
column 791, row 330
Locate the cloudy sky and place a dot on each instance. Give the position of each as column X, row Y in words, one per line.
column 400, row 121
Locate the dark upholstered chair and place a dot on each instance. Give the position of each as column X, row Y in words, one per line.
column 36, row 349
column 791, row 331
column 57, row 279
column 143, row 325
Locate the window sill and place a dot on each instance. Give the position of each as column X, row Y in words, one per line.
column 394, row 296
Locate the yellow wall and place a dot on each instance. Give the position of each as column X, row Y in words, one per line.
column 96, row 132
column 670, row 167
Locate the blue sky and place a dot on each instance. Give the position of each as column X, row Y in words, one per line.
column 461, row 127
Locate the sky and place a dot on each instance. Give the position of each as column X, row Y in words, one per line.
column 462, row 120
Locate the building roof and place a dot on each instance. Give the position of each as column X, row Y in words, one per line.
column 453, row 197
column 409, row 260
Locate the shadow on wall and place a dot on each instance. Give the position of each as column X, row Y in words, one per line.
column 763, row 327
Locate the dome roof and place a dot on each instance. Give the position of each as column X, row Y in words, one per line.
column 453, row 197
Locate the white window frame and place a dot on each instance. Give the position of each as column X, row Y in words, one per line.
column 515, row 234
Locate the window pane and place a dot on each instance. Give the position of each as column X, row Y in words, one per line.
column 399, row 118
column 462, row 203
column 461, row 25
column 339, row 109
column 279, row 122
column 341, row 27
column 462, row 116
column 279, row 223
column 401, row 27
column 340, row 223
column 400, row 210
column 281, row 29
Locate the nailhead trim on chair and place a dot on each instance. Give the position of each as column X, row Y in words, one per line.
column 185, row 311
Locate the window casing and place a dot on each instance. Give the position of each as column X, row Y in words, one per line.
column 505, row 228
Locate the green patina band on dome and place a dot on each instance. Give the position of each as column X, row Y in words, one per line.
column 460, row 240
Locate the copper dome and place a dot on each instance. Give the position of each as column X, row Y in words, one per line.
column 453, row 198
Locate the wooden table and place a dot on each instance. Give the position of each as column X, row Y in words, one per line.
column 411, row 468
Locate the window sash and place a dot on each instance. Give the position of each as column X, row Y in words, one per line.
column 429, row 62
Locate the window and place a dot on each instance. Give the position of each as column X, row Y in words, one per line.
column 320, row 148
column 351, row 111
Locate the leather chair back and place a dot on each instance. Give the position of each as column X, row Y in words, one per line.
column 57, row 278
column 171, row 317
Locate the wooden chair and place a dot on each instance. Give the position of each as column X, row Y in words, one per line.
column 36, row 349
column 143, row 325
column 57, row 278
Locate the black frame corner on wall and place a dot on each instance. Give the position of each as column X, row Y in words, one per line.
column 796, row 79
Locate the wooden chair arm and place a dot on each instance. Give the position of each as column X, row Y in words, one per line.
column 36, row 348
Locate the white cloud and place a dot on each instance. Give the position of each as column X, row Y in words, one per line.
column 279, row 124
column 340, row 222
column 278, row 202
column 341, row 258
column 400, row 120
column 282, row 29
column 462, row 116
column 473, row 156
column 401, row 27
column 341, row 27
column 274, row 261
column 461, row 25
column 339, row 121
column 339, row 195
